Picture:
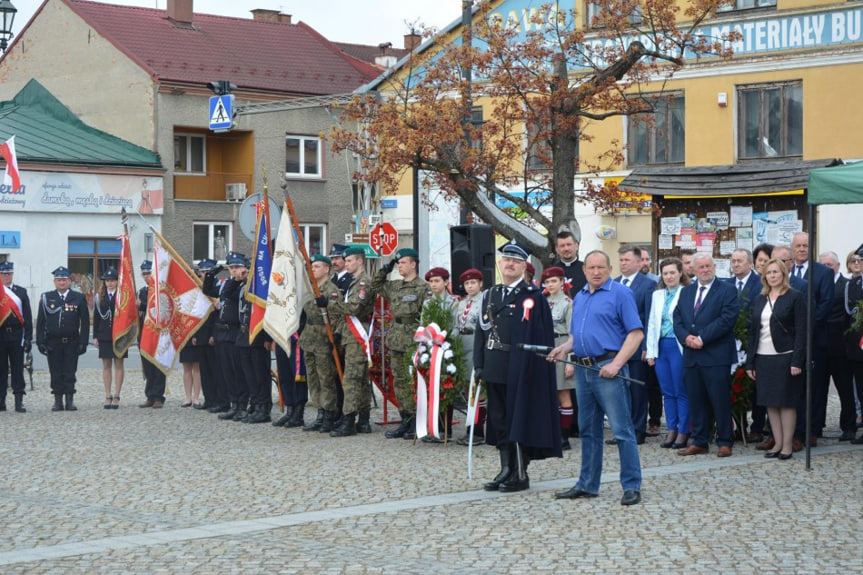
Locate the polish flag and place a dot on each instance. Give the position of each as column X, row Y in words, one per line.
column 12, row 178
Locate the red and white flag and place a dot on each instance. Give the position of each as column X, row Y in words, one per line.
column 126, row 313
column 9, row 304
column 11, row 178
column 176, row 307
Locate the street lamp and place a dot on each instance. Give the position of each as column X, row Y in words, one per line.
column 8, row 11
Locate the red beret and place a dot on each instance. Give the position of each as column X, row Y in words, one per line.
column 530, row 269
column 437, row 273
column 471, row 274
column 552, row 272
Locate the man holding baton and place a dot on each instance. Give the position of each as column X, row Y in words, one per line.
column 606, row 331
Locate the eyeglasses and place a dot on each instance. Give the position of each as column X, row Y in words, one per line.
column 855, row 260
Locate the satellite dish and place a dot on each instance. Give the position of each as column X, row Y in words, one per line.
column 249, row 217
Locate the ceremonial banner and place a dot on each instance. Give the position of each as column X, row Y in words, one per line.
column 126, row 312
column 11, row 179
column 176, row 307
column 290, row 288
column 258, row 285
column 9, row 303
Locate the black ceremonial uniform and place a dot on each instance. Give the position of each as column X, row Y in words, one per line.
column 154, row 380
column 343, row 282
column 254, row 367
column 15, row 341
column 62, row 331
column 226, row 329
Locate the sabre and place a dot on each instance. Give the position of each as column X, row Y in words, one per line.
column 544, row 350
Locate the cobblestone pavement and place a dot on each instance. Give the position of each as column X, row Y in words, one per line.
column 176, row 491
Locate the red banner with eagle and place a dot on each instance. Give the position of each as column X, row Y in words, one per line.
column 126, row 312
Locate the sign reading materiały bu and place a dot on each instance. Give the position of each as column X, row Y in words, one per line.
column 84, row 193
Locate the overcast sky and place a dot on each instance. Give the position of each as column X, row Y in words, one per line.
column 359, row 21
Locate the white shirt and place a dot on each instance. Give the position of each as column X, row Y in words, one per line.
column 628, row 279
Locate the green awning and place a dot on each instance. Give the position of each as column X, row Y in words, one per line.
column 836, row 185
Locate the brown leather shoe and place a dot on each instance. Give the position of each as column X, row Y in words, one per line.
column 796, row 445
column 813, row 441
column 693, row 450
column 157, row 404
column 723, row 451
column 147, row 403
column 652, row 431
column 766, row 445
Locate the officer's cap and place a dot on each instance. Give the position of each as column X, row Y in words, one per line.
column 859, row 251
column 354, row 251
column 471, row 274
column 406, row 253
column 552, row 272
column 237, row 259
column 7, row 267
column 515, row 250
column 109, row 274
column 437, row 273
column 321, row 258
column 146, row 266
column 206, row 264
column 61, row 272
column 337, row 251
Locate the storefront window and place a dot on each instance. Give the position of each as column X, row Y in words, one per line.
column 88, row 259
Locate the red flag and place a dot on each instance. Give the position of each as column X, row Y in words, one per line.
column 12, row 178
column 176, row 307
column 9, row 303
column 126, row 312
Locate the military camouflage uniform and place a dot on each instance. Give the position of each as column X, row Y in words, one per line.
column 406, row 301
column 321, row 372
column 359, row 302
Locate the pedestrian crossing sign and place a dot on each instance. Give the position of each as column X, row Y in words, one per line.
column 222, row 112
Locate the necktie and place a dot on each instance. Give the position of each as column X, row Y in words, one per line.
column 799, row 271
column 625, row 281
column 698, row 300
column 739, row 285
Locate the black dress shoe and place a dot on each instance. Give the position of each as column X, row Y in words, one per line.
column 847, row 436
column 567, row 446
column 771, row 455
column 574, row 493
column 631, row 497
column 514, row 484
column 784, row 456
column 858, row 441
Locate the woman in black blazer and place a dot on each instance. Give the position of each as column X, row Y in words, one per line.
column 103, row 337
column 777, row 353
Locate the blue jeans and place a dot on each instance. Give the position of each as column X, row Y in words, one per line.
column 598, row 396
column 669, row 371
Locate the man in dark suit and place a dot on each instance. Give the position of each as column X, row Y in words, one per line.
column 629, row 259
column 837, row 366
column 704, row 325
column 16, row 335
column 748, row 285
column 822, row 294
column 341, row 277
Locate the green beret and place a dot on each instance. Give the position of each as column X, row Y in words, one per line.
column 353, row 251
column 406, row 253
column 322, row 258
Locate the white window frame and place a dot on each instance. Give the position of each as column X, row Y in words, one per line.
column 211, row 236
column 188, row 137
column 748, row 5
column 307, row 228
column 319, row 160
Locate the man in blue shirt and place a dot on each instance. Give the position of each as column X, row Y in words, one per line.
column 606, row 331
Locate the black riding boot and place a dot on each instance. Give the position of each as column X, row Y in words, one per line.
column 316, row 424
column 346, row 427
column 58, row 402
column 505, row 469
column 19, row 403
column 280, row 422
column 70, row 402
column 404, row 426
column 518, row 479
column 232, row 411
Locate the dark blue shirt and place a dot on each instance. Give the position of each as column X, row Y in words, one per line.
column 601, row 320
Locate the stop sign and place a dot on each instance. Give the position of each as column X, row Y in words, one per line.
column 384, row 235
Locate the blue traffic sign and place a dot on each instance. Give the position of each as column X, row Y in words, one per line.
column 222, row 112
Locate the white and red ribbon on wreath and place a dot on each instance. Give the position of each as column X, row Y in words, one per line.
column 428, row 393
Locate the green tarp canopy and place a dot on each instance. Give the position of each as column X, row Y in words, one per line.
column 836, row 185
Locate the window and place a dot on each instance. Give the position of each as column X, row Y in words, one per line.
column 190, row 153
column 770, row 120
column 212, row 240
column 658, row 138
column 315, row 236
column 538, row 147
column 89, row 258
column 477, row 122
column 303, row 157
column 593, row 10
column 747, row 4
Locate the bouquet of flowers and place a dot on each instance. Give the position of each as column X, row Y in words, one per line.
column 741, row 385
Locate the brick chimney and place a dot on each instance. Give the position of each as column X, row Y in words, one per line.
column 274, row 16
column 181, row 10
column 412, row 40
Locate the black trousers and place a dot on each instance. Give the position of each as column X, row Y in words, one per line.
column 497, row 432
column 230, row 383
column 154, row 381
column 654, row 397
column 12, row 359
column 63, row 364
column 819, row 398
column 294, row 393
column 255, row 368
column 209, row 383
column 839, row 368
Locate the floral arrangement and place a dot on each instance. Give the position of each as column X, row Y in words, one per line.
column 741, row 384
column 857, row 318
column 453, row 377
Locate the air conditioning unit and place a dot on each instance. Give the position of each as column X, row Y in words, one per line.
column 235, row 192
